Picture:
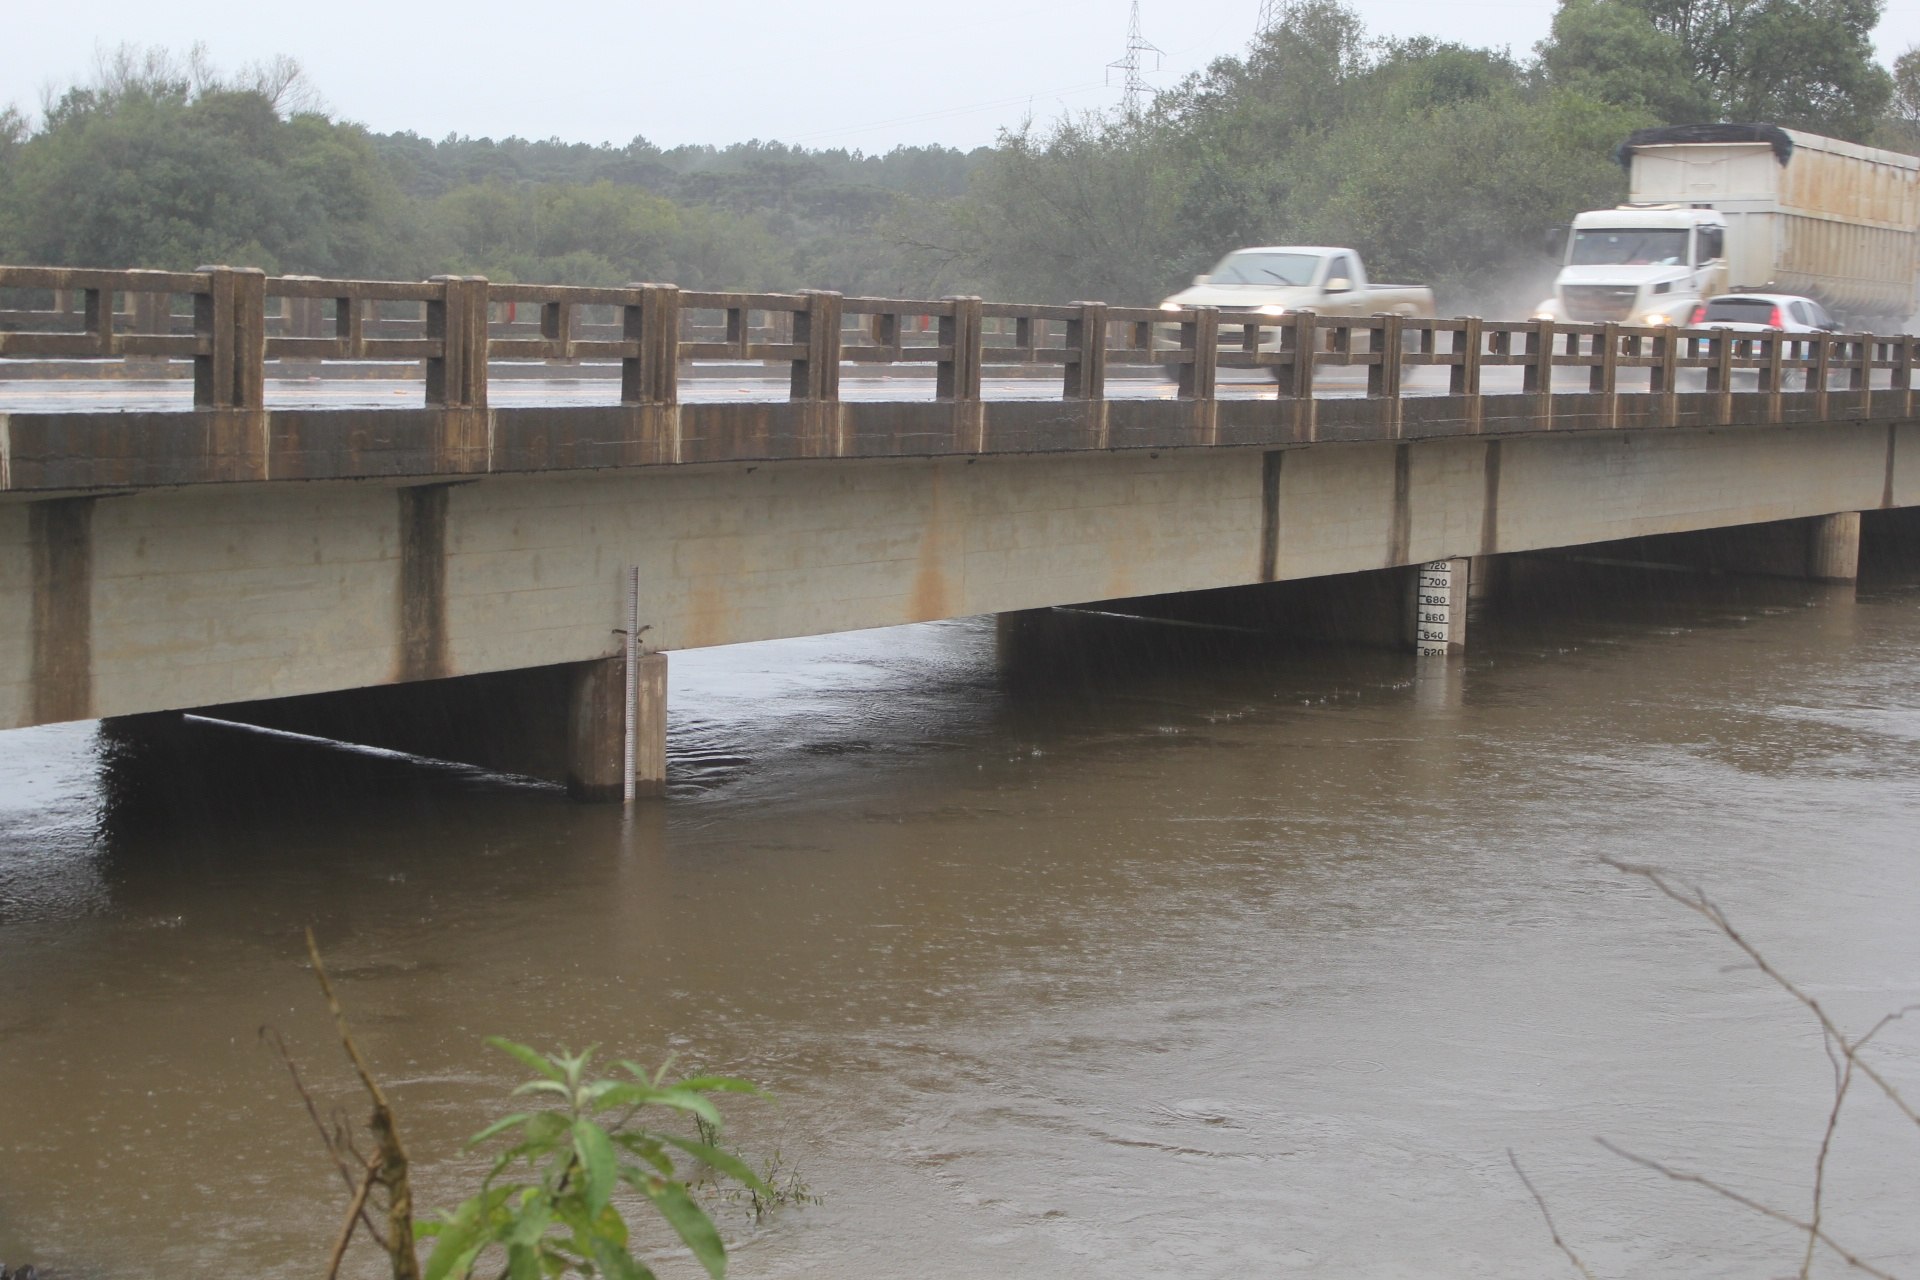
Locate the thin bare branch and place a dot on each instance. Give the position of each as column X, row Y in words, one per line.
column 1819, row 1233
column 1552, row 1230
column 1843, row 1081
column 1820, row 1165
column 355, row 1212
column 328, row 1140
column 1695, row 899
column 340, row 1023
column 335, row 1141
column 1882, row 1025
column 390, row 1159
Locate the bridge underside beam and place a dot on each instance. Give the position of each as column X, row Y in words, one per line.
column 1415, row 607
column 1817, row 548
column 564, row 723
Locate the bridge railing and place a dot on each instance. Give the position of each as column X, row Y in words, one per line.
column 231, row 322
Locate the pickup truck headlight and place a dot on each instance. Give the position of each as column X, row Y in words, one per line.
column 1658, row 318
column 1171, row 306
column 1273, row 311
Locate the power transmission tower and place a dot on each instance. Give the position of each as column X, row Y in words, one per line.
column 1270, row 14
column 1135, row 87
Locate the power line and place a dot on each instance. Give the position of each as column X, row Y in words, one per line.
column 1135, row 86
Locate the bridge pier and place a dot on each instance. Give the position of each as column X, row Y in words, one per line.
column 1489, row 577
column 1820, row 548
column 1833, row 547
column 564, row 723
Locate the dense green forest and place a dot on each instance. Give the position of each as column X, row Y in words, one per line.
column 1440, row 162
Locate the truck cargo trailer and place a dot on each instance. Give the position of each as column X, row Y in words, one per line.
column 1802, row 214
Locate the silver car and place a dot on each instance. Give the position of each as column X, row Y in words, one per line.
column 1759, row 312
column 1764, row 312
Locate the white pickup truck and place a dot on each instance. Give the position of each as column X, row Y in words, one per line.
column 1279, row 279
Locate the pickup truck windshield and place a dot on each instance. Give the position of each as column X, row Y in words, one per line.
column 1266, row 268
column 1606, row 246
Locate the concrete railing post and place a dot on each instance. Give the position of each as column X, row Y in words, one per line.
column 1720, row 375
column 1383, row 377
column 1773, row 372
column 652, row 323
column 457, row 319
column 1302, row 338
column 1603, row 375
column 230, row 319
column 1664, row 378
column 1086, row 377
column 816, row 330
column 958, row 377
column 1537, row 375
column 1200, row 339
column 1902, row 375
column 1818, row 376
column 213, row 328
column 1863, row 374
column 1463, row 379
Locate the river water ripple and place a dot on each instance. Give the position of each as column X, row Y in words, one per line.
column 1186, row 955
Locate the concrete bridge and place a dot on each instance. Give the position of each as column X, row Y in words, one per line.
column 462, row 568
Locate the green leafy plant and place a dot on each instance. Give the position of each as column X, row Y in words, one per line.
column 781, row 1183
column 551, row 1202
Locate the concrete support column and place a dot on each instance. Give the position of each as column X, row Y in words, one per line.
column 565, row 723
column 650, row 725
column 1487, row 576
column 1439, row 611
column 597, row 727
column 1833, row 547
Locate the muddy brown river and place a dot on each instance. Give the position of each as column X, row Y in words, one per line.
column 1185, row 954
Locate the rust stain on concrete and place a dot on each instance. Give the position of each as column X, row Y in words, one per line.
column 1270, row 465
column 1400, row 522
column 709, row 614
column 713, row 569
column 60, row 541
column 423, row 582
column 1886, row 491
column 1490, row 502
column 930, row 589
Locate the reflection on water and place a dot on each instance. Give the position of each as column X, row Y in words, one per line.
column 1166, row 948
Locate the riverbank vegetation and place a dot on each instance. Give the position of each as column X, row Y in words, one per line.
column 565, row 1175
column 1439, row 161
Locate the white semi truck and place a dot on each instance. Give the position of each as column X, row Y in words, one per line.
column 1746, row 207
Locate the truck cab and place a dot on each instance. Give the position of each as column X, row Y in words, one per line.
column 1639, row 264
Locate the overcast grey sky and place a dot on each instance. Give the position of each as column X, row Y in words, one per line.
column 866, row 74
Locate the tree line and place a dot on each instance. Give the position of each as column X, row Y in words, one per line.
column 1442, row 162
